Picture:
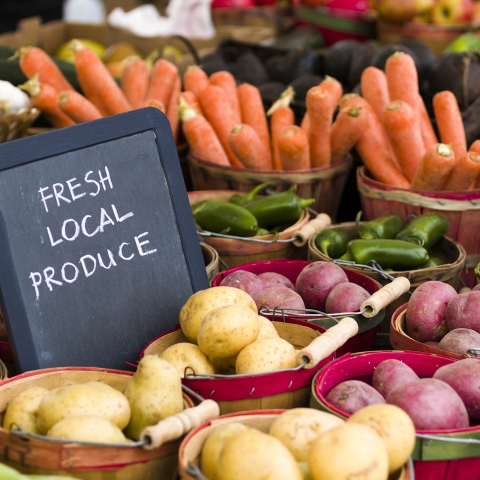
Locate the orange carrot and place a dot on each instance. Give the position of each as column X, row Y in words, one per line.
column 402, row 78
column 44, row 97
column 134, row 80
column 192, row 100
column 200, row 135
column 34, row 60
column 373, row 146
column 227, row 82
column 320, row 108
column 172, row 109
column 253, row 113
column 281, row 117
column 435, row 166
column 345, row 132
column 428, row 133
column 95, row 78
column 373, row 83
column 248, row 147
column 293, row 149
column 217, row 110
column 153, row 102
column 403, row 130
column 464, row 173
column 334, row 88
column 475, row 147
column 449, row 121
column 195, row 80
column 162, row 81
column 77, row 107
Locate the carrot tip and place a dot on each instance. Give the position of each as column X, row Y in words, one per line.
column 20, row 53
column 444, row 149
column 62, row 98
column 185, row 111
column 32, row 86
column 398, row 54
column 75, row 45
column 395, row 105
column 347, row 96
column 236, row 129
column 284, row 100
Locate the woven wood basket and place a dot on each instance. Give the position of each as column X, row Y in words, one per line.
column 192, row 444
column 325, row 185
column 433, row 458
column 3, row 371
column 14, row 125
column 39, row 456
column 461, row 208
column 286, row 389
column 211, row 260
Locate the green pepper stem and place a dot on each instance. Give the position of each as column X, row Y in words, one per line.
column 324, row 244
column 305, row 202
column 254, row 191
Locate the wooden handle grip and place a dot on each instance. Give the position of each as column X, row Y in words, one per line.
column 321, row 221
column 385, row 296
column 328, row 342
column 174, row 427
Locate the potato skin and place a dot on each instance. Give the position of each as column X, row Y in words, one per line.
column 464, row 377
column 226, row 330
column 23, row 409
column 352, row 395
column 273, row 279
column 244, row 280
column 90, row 398
column 282, row 297
column 426, row 311
column 464, row 311
column 395, row 428
column 345, row 297
column 460, row 340
column 389, row 374
column 266, row 355
column 267, row 329
column 203, row 301
column 298, row 428
column 349, row 451
column 182, row 355
column 431, row 404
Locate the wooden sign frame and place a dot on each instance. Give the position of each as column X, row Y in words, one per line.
column 22, row 153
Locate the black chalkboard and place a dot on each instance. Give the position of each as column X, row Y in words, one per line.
column 98, row 248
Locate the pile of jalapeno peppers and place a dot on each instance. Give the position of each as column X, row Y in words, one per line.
column 248, row 216
column 388, row 241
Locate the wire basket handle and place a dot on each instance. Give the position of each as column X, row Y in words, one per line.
column 186, row 42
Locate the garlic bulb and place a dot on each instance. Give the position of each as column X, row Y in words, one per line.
column 12, row 99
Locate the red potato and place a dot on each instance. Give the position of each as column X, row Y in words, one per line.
column 391, row 373
column 352, row 395
column 476, row 288
column 464, row 377
column 426, row 308
column 463, row 311
column 244, row 280
column 273, row 279
column 431, row 404
column 316, row 281
column 460, row 340
column 283, row 297
column 345, row 297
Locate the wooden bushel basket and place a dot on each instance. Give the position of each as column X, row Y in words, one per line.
column 211, row 260
column 86, row 462
column 461, row 208
column 235, row 252
column 450, row 251
column 191, row 446
column 325, row 185
column 435, row 457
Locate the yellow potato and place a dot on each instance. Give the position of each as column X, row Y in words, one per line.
column 90, row 398
column 226, row 330
column 349, row 451
column 188, row 356
column 200, row 303
column 213, row 446
column 23, row 409
column 298, row 428
column 87, row 428
column 254, row 455
column 266, row 355
column 267, row 330
column 394, row 426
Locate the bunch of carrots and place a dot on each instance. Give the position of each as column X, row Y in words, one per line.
column 51, row 92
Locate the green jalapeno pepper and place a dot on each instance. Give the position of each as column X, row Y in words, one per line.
column 331, row 242
column 388, row 226
column 433, row 262
column 220, row 216
column 239, row 199
column 425, row 230
column 279, row 208
column 388, row 253
column 262, row 231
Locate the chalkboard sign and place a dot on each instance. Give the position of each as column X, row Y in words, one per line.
column 98, row 248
